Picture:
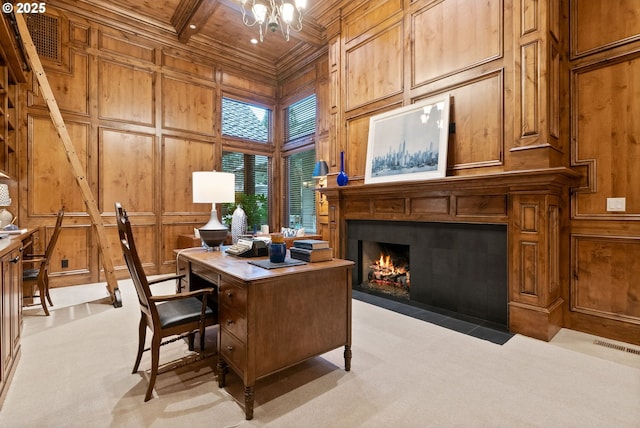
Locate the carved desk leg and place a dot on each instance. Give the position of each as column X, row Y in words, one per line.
column 248, row 402
column 222, row 372
column 347, row 357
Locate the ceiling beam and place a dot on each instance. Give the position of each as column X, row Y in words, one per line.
column 191, row 15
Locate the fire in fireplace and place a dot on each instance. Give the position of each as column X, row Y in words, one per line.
column 388, row 268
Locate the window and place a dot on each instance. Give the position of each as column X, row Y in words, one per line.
column 301, row 119
column 252, row 186
column 300, row 126
column 302, row 196
column 246, row 121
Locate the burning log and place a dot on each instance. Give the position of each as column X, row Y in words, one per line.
column 384, row 272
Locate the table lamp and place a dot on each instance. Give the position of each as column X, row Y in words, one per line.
column 320, row 172
column 213, row 187
column 5, row 201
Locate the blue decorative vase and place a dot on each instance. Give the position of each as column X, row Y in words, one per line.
column 277, row 252
column 343, row 178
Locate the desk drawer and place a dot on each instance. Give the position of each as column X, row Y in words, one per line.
column 234, row 297
column 233, row 322
column 205, row 274
column 233, row 351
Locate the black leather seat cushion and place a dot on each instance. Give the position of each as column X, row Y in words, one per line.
column 30, row 273
column 176, row 312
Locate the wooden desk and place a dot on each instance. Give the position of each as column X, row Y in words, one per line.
column 11, row 249
column 273, row 319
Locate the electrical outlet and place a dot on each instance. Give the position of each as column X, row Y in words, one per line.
column 65, row 263
column 616, row 204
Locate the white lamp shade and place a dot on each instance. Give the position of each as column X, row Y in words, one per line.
column 286, row 11
column 5, row 200
column 213, row 187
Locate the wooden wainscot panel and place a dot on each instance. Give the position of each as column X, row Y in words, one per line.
column 357, row 137
column 529, row 73
column 605, row 118
column 368, row 16
column 374, row 68
column 479, row 117
column 454, row 35
column 79, row 33
column 72, row 246
column 146, row 242
column 605, row 271
column 529, row 16
column 187, row 106
column 307, row 77
column 126, row 93
column 528, row 272
column 51, row 182
column 179, row 158
column 71, row 90
column 482, row 206
column 389, row 206
column 354, row 207
column 170, row 234
column 597, row 25
column 127, row 170
column 430, row 205
column 118, row 45
column 233, row 81
column 177, row 62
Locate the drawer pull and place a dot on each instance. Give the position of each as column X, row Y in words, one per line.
column 16, row 259
column 229, row 294
column 229, row 322
column 229, row 348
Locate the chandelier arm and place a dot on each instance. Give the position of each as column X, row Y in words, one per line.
column 272, row 18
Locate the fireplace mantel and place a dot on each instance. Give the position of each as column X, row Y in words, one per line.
column 532, row 203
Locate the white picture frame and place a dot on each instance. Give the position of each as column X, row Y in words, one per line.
column 409, row 143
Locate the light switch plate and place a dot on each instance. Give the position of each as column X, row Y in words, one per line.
column 616, row 204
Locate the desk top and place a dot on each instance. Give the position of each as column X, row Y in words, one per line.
column 10, row 242
column 241, row 269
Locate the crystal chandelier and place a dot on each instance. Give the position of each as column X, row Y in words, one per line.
column 273, row 15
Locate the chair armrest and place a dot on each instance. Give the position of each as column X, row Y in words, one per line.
column 194, row 293
column 165, row 278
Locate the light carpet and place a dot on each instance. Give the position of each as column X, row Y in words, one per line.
column 75, row 371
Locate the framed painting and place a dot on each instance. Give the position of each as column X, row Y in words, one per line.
column 409, row 143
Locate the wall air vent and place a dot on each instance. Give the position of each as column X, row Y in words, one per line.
column 45, row 32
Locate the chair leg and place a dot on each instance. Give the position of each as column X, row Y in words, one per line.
column 46, row 290
column 192, row 339
column 155, row 357
column 43, row 302
column 202, row 329
column 142, row 336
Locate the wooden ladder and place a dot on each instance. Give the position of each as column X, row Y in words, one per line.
column 72, row 156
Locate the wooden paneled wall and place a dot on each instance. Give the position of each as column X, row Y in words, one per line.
column 143, row 113
column 604, row 58
column 535, row 85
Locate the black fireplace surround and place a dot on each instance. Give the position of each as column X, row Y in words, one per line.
column 456, row 267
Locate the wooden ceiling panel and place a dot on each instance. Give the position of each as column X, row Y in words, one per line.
column 217, row 23
column 154, row 10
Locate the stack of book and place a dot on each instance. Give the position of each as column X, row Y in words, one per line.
column 311, row 250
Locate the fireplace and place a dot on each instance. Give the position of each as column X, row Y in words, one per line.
column 457, row 267
column 386, row 269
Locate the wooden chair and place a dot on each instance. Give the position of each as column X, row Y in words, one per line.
column 40, row 276
column 168, row 315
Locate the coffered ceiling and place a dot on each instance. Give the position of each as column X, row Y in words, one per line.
column 218, row 24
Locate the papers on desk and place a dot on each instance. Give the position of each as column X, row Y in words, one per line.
column 12, row 232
